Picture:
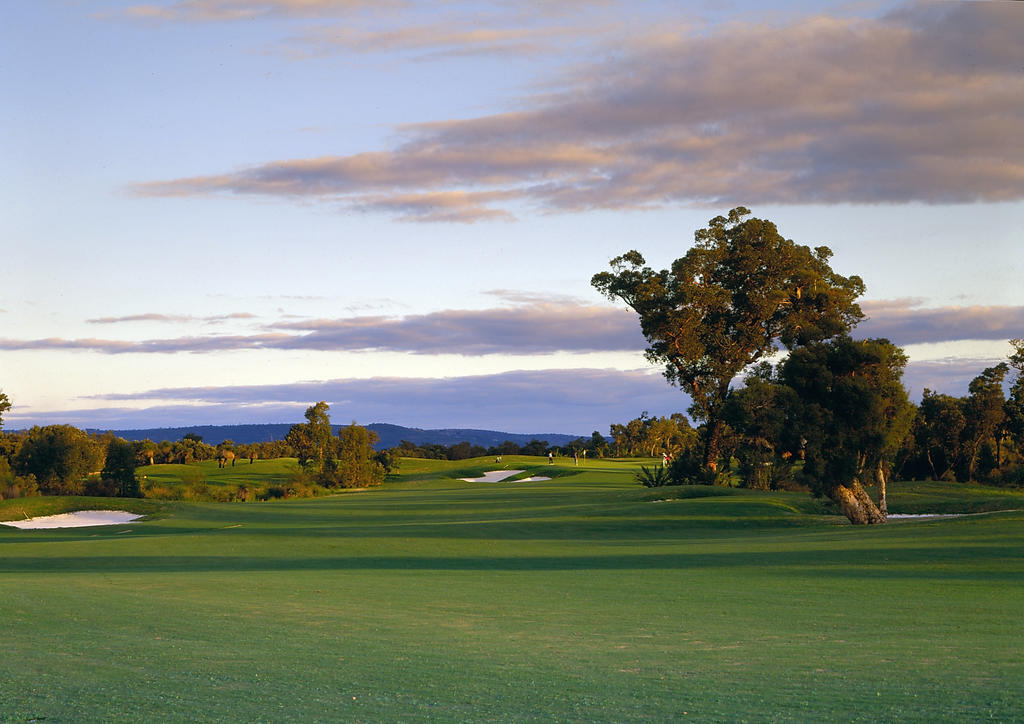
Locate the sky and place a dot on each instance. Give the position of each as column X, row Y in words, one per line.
column 224, row 211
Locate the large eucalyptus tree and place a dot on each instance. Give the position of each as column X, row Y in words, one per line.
column 739, row 292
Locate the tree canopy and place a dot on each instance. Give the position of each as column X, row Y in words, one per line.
column 741, row 290
column 852, row 413
column 5, row 405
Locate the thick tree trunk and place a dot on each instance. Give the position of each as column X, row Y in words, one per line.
column 711, row 448
column 883, row 506
column 856, row 505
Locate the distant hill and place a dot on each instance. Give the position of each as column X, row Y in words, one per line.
column 390, row 435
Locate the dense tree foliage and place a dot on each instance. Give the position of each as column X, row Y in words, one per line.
column 853, row 414
column 358, row 462
column 738, row 292
column 119, row 468
column 313, row 441
column 938, row 430
column 59, row 457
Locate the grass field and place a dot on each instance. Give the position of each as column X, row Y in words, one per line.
column 585, row 598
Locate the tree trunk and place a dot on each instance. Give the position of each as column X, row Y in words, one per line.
column 856, row 505
column 711, row 448
column 883, row 506
column 931, row 463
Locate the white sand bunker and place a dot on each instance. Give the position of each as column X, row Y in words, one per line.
column 78, row 519
column 496, row 476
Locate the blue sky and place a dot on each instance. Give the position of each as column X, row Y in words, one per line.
column 221, row 211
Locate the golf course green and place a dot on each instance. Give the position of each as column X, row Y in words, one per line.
column 583, row 598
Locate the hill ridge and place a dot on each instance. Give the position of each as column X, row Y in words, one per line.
column 390, row 434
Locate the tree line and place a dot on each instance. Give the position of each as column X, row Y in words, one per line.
column 66, row 460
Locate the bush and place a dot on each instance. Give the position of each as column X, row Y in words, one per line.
column 101, row 487
column 687, row 469
column 197, row 492
column 162, row 492
column 15, row 486
column 762, row 470
column 654, row 477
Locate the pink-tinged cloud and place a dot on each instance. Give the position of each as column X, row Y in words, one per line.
column 905, row 108
column 174, row 318
column 906, row 322
column 232, row 10
column 532, row 327
column 572, row 401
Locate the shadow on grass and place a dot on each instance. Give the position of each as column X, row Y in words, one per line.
column 981, row 563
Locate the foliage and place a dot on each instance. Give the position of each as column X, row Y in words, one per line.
column 852, row 414
column 5, row 405
column 938, row 429
column 15, row 486
column 313, row 441
column 741, row 289
column 119, row 468
column 687, row 468
column 358, row 466
column 654, row 477
column 653, row 436
column 59, row 457
column 761, row 415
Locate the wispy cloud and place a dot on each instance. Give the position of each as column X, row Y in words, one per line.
column 908, row 107
column 175, row 318
column 459, row 38
column 579, row 400
column 576, row 401
column 232, row 10
column 424, row 28
column 904, row 322
column 532, row 326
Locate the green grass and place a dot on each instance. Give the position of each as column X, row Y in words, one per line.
column 586, row 598
column 259, row 472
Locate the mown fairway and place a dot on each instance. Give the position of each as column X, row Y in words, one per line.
column 586, row 598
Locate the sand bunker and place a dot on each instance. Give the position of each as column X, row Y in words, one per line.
column 78, row 519
column 911, row 516
column 496, row 476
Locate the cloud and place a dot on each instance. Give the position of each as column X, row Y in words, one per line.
column 461, row 37
column 903, row 108
column 231, row 10
column 427, row 29
column 568, row 401
column 154, row 317
column 951, row 376
column 574, row 401
column 534, row 328
column 533, row 325
column 903, row 322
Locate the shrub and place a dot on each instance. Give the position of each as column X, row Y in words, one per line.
column 654, row 477
column 197, row 492
column 222, row 494
column 152, row 489
column 763, row 470
column 687, row 469
column 101, row 487
column 274, row 492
